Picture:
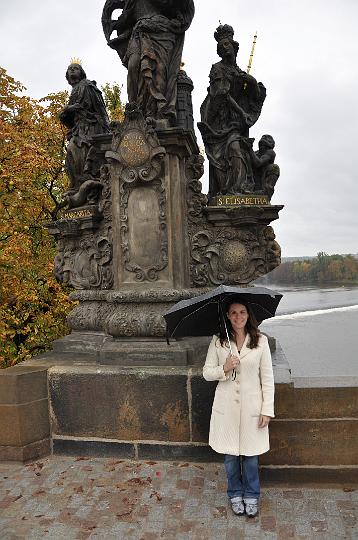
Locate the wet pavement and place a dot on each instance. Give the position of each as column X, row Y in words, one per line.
column 81, row 498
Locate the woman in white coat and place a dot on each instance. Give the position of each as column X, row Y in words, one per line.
column 243, row 404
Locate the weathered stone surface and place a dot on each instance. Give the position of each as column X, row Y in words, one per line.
column 202, row 393
column 144, row 352
column 24, row 424
column 70, row 447
column 301, row 474
column 22, row 384
column 313, row 442
column 319, row 403
column 165, row 412
column 192, row 452
column 24, row 416
column 121, row 404
column 25, row 453
column 126, row 313
column 89, row 347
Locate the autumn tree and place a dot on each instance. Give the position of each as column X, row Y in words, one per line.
column 112, row 95
column 321, row 269
column 33, row 305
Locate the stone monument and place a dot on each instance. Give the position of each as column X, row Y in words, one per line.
column 137, row 235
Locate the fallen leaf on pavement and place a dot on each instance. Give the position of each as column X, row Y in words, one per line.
column 124, row 513
column 157, row 495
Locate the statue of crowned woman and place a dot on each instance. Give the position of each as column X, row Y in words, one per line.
column 232, row 106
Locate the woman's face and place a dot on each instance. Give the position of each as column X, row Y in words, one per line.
column 238, row 316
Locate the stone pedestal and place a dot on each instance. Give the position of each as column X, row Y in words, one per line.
column 24, row 413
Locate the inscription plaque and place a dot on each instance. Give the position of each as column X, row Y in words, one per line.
column 76, row 214
column 134, row 149
column 251, row 199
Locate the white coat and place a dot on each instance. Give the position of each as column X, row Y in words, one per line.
column 238, row 403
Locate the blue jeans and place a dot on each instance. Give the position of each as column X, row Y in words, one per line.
column 242, row 476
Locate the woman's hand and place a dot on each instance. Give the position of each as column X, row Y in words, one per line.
column 263, row 421
column 231, row 363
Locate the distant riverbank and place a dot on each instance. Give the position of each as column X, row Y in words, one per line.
column 319, row 271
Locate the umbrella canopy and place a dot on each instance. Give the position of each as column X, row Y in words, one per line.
column 204, row 315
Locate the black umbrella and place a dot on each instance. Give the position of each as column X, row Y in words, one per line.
column 203, row 315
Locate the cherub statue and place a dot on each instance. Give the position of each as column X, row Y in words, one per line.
column 266, row 172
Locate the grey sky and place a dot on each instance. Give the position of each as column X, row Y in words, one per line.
column 306, row 55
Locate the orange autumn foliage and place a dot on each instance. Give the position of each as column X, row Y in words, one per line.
column 33, row 306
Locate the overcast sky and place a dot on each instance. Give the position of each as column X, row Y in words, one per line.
column 306, row 55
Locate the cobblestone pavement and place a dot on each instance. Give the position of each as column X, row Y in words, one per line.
column 80, row 498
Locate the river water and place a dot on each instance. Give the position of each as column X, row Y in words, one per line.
column 318, row 331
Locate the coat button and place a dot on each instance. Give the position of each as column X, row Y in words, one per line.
column 237, row 400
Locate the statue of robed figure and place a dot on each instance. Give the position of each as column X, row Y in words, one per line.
column 150, row 39
column 232, row 106
column 85, row 115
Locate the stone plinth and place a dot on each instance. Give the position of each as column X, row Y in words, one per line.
column 24, row 417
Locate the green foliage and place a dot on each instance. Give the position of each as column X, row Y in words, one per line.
column 322, row 269
column 112, row 97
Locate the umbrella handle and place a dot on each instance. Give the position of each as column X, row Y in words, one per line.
column 226, row 330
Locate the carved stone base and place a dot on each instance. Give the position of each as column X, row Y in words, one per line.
column 127, row 313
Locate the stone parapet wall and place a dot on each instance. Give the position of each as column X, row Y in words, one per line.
column 164, row 413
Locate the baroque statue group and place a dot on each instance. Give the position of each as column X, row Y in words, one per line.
column 135, row 214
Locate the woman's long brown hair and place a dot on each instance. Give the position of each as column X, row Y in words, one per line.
column 251, row 326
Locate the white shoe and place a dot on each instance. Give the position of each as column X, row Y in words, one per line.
column 237, row 506
column 251, row 507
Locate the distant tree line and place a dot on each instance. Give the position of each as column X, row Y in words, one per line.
column 321, row 269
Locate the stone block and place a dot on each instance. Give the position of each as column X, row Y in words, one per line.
column 169, row 452
column 22, row 384
column 328, row 442
column 104, row 449
column 338, row 402
column 304, row 474
column 29, row 452
column 24, row 424
column 202, row 396
column 24, row 414
column 124, row 404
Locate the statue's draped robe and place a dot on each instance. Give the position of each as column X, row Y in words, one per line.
column 153, row 31
column 89, row 119
column 225, row 130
